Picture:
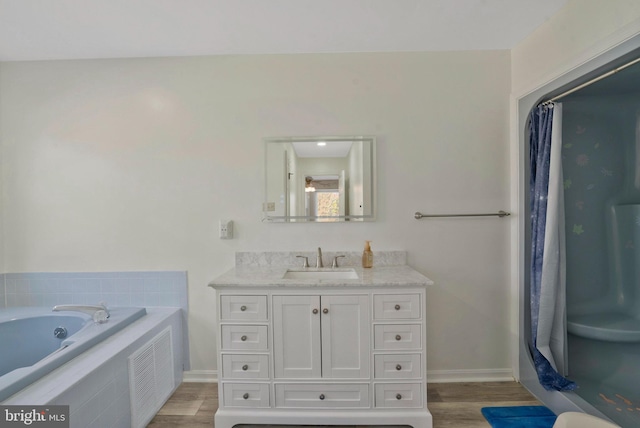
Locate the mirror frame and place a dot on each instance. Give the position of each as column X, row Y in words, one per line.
column 372, row 165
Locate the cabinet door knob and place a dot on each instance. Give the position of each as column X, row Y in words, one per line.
column 398, row 367
column 397, row 307
column 246, row 395
column 325, row 311
column 398, row 337
column 321, row 396
column 315, row 311
column 243, row 308
column 246, row 367
column 398, row 397
column 243, row 338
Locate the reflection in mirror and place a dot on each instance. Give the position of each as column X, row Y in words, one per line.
column 322, row 179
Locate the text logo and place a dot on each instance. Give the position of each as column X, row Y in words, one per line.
column 34, row 416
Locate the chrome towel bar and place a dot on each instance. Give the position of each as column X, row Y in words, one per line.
column 500, row 214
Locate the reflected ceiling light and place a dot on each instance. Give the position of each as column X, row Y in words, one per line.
column 321, row 144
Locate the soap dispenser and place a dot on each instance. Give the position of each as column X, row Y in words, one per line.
column 367, row 255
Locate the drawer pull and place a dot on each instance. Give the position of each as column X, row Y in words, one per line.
column 398, row 367
column 315, row 311
column 398, row 337
column 246, row 395
column 397, row 307
column 245, row 367
column 325, row 311
column 243, row 308
column 244, row 338
column 398, row 397
column 321, row 396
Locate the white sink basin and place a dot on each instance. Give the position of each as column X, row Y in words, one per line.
column 320, row 274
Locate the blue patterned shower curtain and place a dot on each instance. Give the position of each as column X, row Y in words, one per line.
column 548, row 291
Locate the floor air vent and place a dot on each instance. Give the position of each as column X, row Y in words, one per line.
column 151, row 377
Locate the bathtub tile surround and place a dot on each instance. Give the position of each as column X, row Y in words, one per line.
column 147, row 289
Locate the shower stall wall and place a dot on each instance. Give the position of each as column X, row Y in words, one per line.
column 601, row 165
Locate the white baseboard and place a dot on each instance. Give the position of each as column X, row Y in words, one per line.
column 433, row 376
column 478, row 375
column 206, row 376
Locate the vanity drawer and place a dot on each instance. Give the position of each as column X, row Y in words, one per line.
column 245, row 366
column 243, row 308
column 246, row 394
column 244, row 337
column 397, row 366
column 396, row 306
column 398, row 395
column 329, row 396
column 397, row 336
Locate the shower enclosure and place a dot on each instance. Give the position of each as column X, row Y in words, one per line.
column 601, row 180
column 601, row 166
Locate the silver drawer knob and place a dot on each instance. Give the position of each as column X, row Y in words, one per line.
column 246, row 395
column 321, row 396
column 398, row 367
column 245, row 367
column 398, row 397
column 398, row 337
column 243, row 338
column 243, row 308
column 397, row 307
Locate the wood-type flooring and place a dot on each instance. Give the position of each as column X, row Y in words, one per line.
column 455, row 405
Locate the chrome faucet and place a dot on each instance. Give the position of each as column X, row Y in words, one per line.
column 319, row 259
column 99, row 313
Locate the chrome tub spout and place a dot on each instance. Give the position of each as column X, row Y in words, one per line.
column 99, row 313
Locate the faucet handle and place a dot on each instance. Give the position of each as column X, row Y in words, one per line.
column 305, row 264
column 335, row 261
column 100, row 316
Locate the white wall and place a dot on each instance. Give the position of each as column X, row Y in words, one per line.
column 129, row 165
column 581, row 30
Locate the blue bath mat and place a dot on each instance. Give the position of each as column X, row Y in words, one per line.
column 519, row 417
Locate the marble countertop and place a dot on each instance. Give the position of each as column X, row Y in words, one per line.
column 263, row 276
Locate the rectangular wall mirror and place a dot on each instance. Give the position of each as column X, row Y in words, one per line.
column 320, row 179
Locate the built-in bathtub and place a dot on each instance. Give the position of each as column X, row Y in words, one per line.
column 30, row 346
column 122, row 381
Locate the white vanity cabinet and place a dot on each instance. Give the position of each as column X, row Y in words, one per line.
column 308, row 354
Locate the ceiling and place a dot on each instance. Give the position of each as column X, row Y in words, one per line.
column 316, row 149
column 73, row 29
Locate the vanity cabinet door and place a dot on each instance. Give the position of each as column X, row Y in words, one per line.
column 321, row 336
column 296, row 336
column 345, row 336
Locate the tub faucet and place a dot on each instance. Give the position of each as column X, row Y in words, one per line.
column 319, row 259
column 99, row 313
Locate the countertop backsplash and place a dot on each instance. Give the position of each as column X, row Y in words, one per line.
column 289, row 259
